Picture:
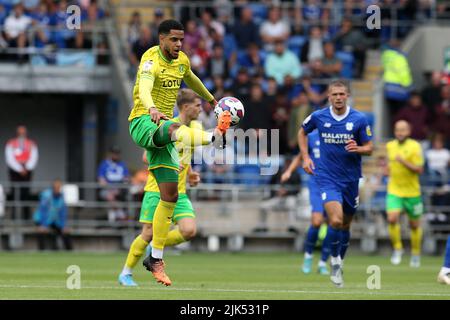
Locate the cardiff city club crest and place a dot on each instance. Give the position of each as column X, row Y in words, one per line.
column 349, row 126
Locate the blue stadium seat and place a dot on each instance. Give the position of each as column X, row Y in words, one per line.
column 248, row 174
column 295, row 44
column 347, row 59
column 259, row 12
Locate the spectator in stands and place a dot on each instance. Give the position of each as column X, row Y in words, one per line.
column 416, row 114
column 218, row 89
column 253, row 59
column 312, row 50
column 442, row 9
column 351, row 39
column 145, row 42
column 241, row 86
column 217, row 64
column 51, row 218
column 300, row 109
column 15, row 29
column 259, row 107
column 158, row 17
column 62, row 36
column 207, row 117
column 280, row 111
column 330, row 66
column 113, row 171
column 199, row 59
column 283, row 197
column 132, row 29
column 314, row 13
column 41, row 22
column 438, row 161
column 245, row 31
column 292, row 87
column 22, row 156
column 192, row 35
column 138, row 181
column 317, row 93
column 442, row 115
column 282, row 62
column 207, row 23
column 397, row 76
column 377, row 183
column 431, row 94
column 274, row 29
column 91, row 18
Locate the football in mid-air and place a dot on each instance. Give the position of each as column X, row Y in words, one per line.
column 233, row 105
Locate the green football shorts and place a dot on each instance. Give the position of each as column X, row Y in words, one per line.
column 142, row 130
column 183, row 208
column 412, row 205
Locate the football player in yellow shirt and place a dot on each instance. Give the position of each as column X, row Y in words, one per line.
column 189, row 105
column 161, row 71
column 405, row 164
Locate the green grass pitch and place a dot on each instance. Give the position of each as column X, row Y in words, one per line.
column 199, row 276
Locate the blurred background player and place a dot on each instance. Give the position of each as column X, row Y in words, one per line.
column 405, row 163
column 189, row 105
column 317, row 212
column 344, row 136
column 159, row 77
column 444, row 274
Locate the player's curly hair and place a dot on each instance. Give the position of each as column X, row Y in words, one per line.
column 170, row 24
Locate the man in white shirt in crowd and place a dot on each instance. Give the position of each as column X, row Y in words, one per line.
column 14, row 30
column 21, row 154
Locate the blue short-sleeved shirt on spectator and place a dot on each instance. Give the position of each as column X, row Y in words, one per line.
column 112, row 172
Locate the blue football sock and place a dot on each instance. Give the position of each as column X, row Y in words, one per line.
column 326, row 247
column 447, row 254
column 311, row 239
column 335, row 241
column 345, row 241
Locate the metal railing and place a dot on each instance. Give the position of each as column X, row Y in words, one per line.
column 96, row 35
column 225, row 204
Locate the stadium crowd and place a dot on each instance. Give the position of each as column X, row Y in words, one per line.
column 40, row 26
column 277, row 62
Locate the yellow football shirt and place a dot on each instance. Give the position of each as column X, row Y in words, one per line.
column 402, row 181
column 185, row 155
column 167, row 76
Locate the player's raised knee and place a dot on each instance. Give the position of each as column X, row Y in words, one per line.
column 188, row 232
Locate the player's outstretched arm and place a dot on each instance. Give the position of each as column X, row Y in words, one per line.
column 308, row 164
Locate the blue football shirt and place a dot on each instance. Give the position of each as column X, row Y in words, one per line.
column 335, row 162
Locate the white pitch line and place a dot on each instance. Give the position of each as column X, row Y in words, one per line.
column 233, row 290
